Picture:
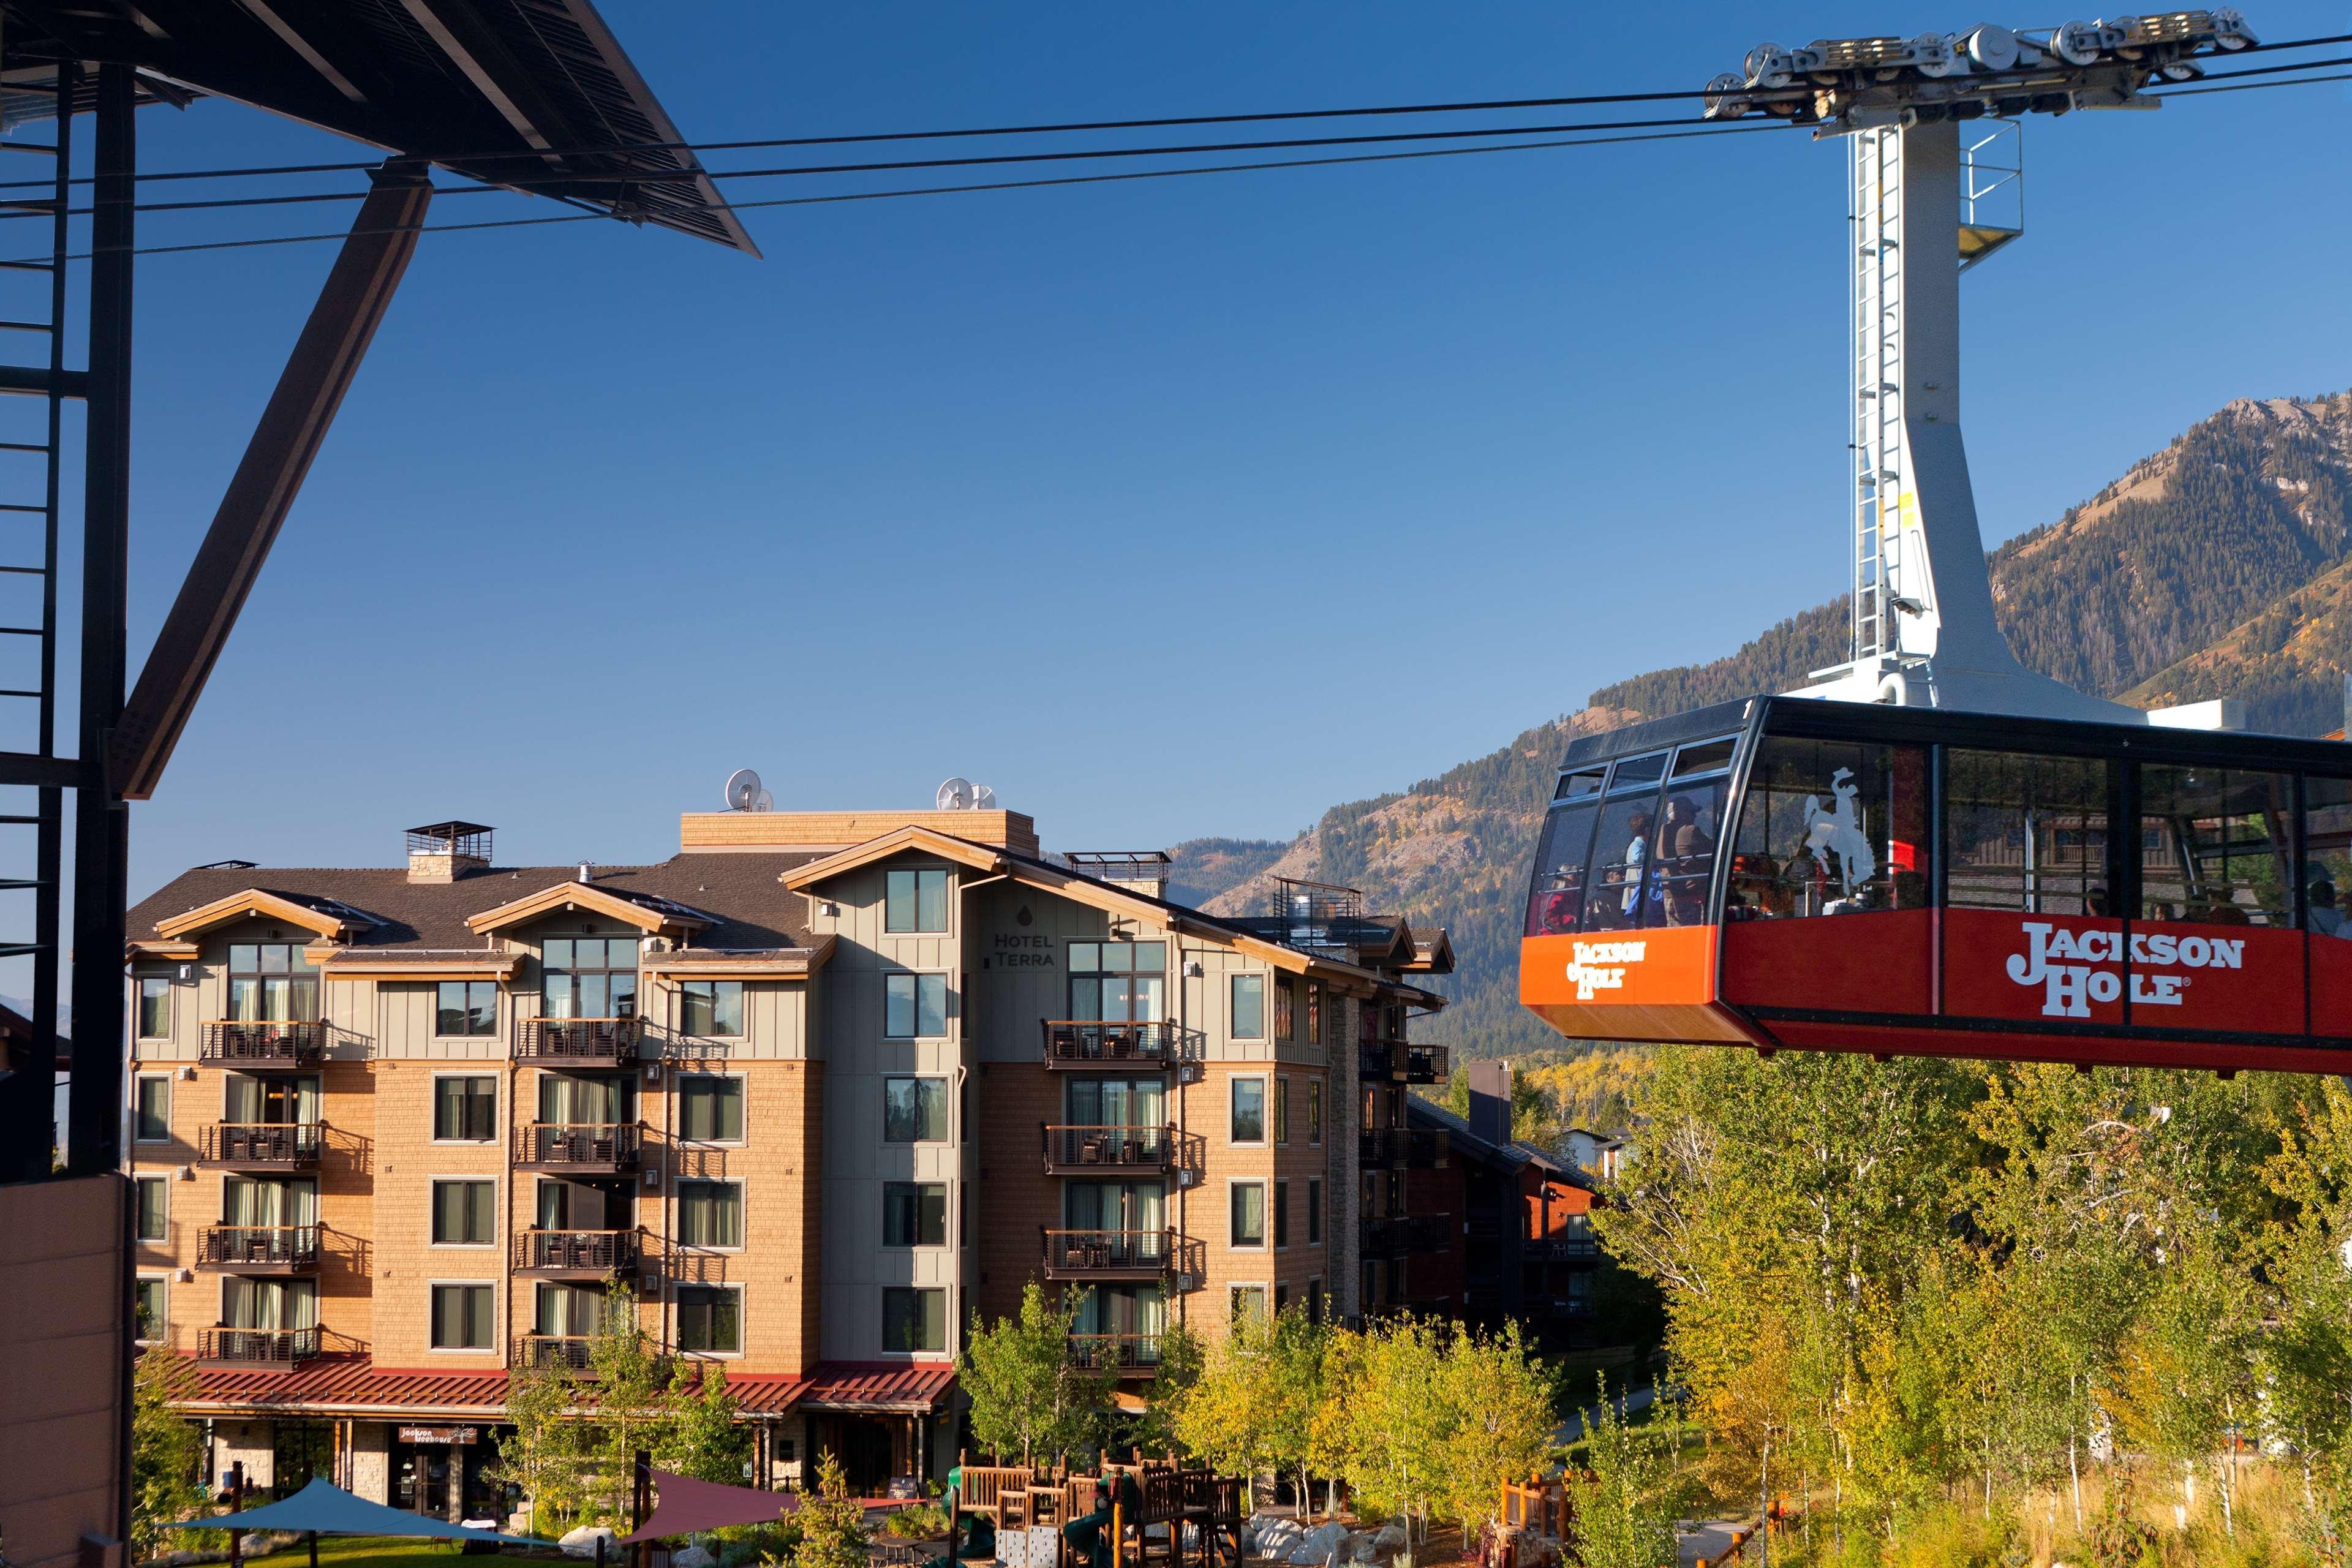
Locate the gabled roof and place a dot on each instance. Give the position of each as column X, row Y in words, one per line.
column 1432, row 954
column 1515, row 1155
column 320, row 915
column 901, row 841
column 648, row 913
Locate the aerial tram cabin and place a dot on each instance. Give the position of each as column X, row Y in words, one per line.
column 1849, row 877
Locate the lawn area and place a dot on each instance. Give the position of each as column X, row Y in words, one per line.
column 371, row 1551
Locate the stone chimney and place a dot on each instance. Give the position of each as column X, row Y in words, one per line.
column 445, row 851
column 1490, row 1101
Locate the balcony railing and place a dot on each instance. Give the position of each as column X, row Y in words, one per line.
column 257, row 1347
column 260, row 1045
column 1564, row 1249
column 1119, row 1254
column 597, row 1148
column 1092, row 1042
column 1426, row 1148
column 586, row 1042
column 260, row 1145
column 580, row 1254
column 564, row 1350
column 1408, row 1233
column 1426, row 1064
column 1382, row 1146
column 1566, row 1307
column 1088, row 1150
column 1116, row 1353
column 258, row 1249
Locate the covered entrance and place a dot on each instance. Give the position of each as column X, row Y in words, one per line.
column 444, row 1472
column 877, row 1420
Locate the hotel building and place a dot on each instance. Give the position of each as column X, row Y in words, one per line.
column 819, row 1089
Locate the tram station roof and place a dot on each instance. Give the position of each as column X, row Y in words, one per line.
column 534, row 95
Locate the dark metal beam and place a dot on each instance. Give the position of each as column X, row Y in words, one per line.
column 326, row 356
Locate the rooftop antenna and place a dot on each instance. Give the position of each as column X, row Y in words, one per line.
column 744, row 793
column 1927, row 119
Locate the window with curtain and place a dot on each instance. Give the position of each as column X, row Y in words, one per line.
column 915, row 900
column 1113, row 1205
column 1248, row 1301
column 466, row 1008
column 465, row 1110
column 271, row 981
column 154, row 1008
column 1248, row 1215
column 251, row 1201
column 1137, row 1309
column 1286, row 1006
column 147, row 1302
column 710, row 1108
column 710, row 1320
column 588, row 977
column 914, row 1320
column 914, row 1007
column 462, row 1317
column 152, row 1196
column 269, row 1303
column 567, row 1311
column 275, row 1101
column 711, row 1214
column 1281, row 1109
column 587, row 1101
column 1313, row 1013
column 914, row 1214
column 1116, row 1102
column 1118, row 981
column 465, row 1214
column 710, row 1008
column 150, row 1110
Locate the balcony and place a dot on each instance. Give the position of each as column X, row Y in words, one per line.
column 1118, row 1151
column 1128, row 1356
column 576, row 1254
column 1426, row 1064
column 279, row 1045
column 256, row 1347
column 1400, row 1061
column 1563, row 1307
column 260, row 1145
column 258, row 1249
column 1110, row 1042
column 1562, row 1249
column 1403, row 1234
column 1396, row 1148
column 579, row 1042
column 581, row 1148
column 1111, row 1255
column 564, row 1352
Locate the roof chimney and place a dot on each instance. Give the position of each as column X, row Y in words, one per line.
column 1490, row 1103
column 445, row 851
column 585, row 872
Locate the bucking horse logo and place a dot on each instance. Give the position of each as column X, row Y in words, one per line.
column 1837, row 830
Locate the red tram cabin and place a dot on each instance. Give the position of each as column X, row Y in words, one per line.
column 1827, row 875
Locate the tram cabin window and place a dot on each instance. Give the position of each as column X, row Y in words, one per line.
column 1831, row 827
column 2027, row 833
column 1558, row 901
column 1622, row 845
column 2327, row 855
column 2216, row 845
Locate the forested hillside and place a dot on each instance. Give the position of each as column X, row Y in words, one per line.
column 2220, row 566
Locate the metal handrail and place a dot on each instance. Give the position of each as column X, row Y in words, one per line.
column 1082, row 1252
column 578, row 1143
column 260, row 1142
column 554, row 1349
column 600, row 1251
column 1104, row 1352
column 579, row 1039
column 1426, row 1064
column 252, row 1246
column 277, row 1347
column 1092, row 1040
column 1134, row 1145
column 263, row 1042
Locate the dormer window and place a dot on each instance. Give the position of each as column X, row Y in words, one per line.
column 588, row 977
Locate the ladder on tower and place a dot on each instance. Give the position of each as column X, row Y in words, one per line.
column 1877, row 444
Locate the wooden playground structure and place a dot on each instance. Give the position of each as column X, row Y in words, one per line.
column 1148, row 1511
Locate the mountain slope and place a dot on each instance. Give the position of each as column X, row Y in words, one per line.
column 2221, row 565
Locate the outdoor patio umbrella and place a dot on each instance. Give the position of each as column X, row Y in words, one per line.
column 324, row 1509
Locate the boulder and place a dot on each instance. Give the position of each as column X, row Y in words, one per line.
column 1316, row 1545
column 581, row 1541
column 692, row 1557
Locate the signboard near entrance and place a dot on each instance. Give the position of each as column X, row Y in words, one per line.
column 446, row 1435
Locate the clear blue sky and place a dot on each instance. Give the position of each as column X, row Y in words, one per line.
column 1170, row 507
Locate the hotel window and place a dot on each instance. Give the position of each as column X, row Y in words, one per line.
column 1286, row 1000
column 1249, row 1007
column 465, row 1110
column 1249, row 1111
column 151, row 1209
column 711, row 1009
column 914, row 1110
column 461, row 1317
column 588, row 977
column 711, row 1109
column 711, row 1214
column 914, row 1007
column 465, row 1214
column 1281, row 1213
column 1315, row 1299
column 147, row 1308
column 710, row 1320
column 154, row 1009
column 271, row 981
column 916, row 901
column 1281, row 1299
column 1118, row 981
column 587, row 1100
column 914, row 1320
column 466, row 1008
column 1281, row 1109
column 1314, row 1210
column 1248, row 1301
column 1248, row 1215
column 914, row 1214
column 151, row 1114
column 1313, row 1013
column 1315, row 1110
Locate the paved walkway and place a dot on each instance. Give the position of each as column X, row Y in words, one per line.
column 1572, row 1429
column 1710, row 1539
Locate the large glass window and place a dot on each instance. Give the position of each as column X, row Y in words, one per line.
column 914, row 1320
column 1249, row 1007
column 1114, row 1206
column 710, row 1319
column 914, row 1110
column 2027, row 833
column 154, row 1008
column 711, row 1109
column 711, row 1214
column 1119, row 980
column 2327, row 854
column 710, row 1008
column 279, row 1102
column 269, row 1303
column 2217, row 846
column 271, row 981
column 567, row 1101
column 915, row 901
column 568, row 1311
column 465, row 1214
column 914, row 1214
column 1116, row 1102
column 914, row 1007
column 462, row 1317
column 585, row 1206
column 1690, row 824
column 151, row 1111
column 1557, row 902
column 1831, row 827
column 465, row 1110
column 1248, row 1110
column 247, row 1202
column 467, row 1008
column 589, row 977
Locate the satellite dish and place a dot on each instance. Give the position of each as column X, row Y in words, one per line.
column 763, row 801
column 742, row 790
column 982, row 798
column 955, row 795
